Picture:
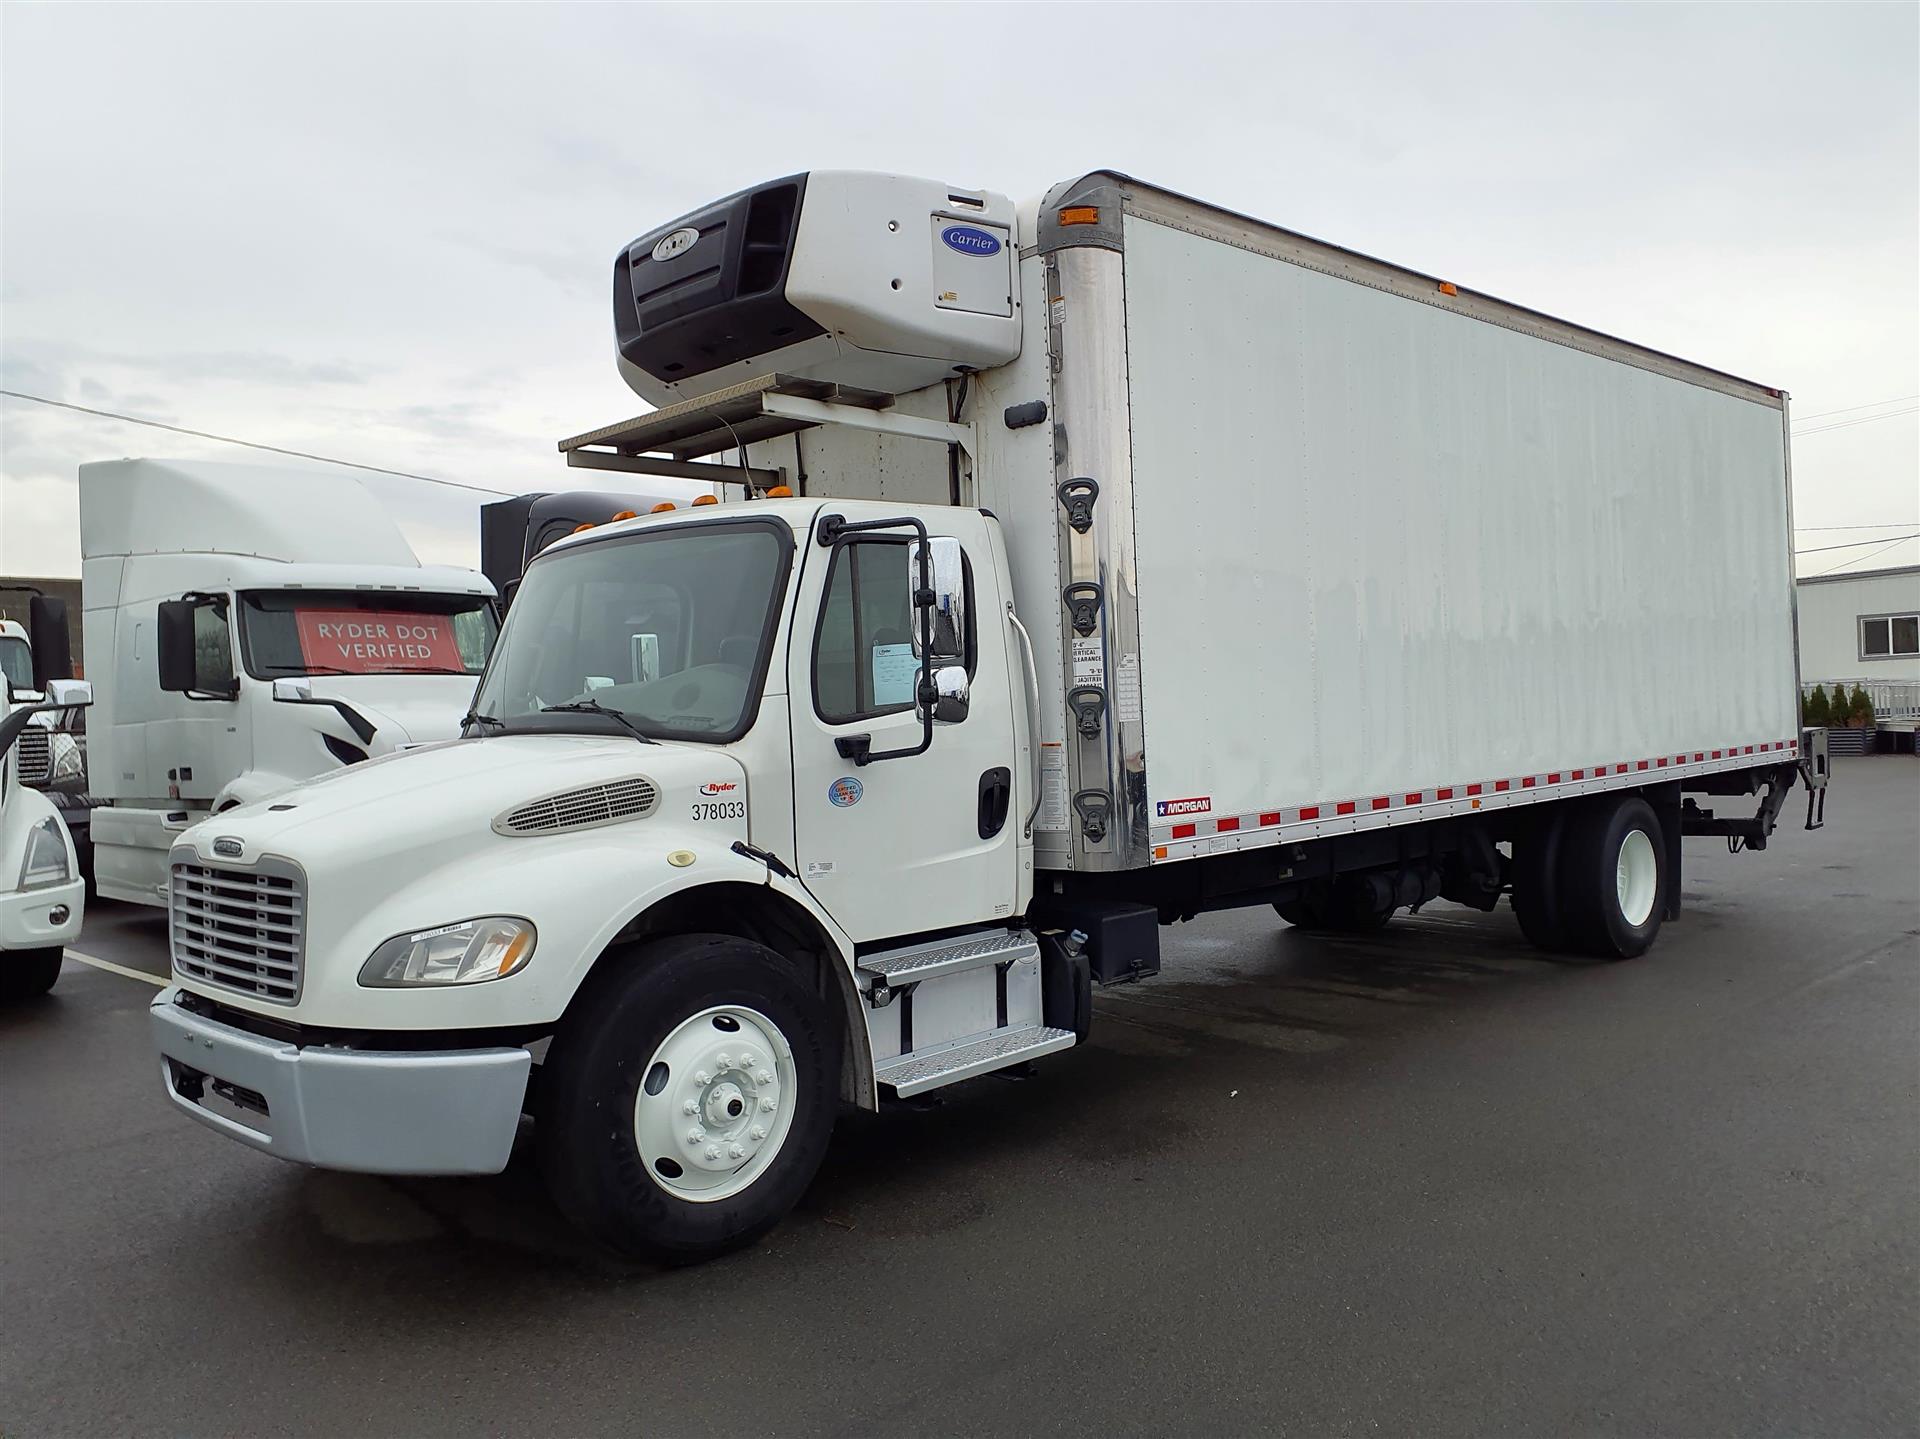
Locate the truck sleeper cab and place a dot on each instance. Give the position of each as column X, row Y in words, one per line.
column 766, row 806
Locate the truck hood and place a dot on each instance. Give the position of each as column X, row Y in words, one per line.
column 403, row 709
column 447, row 796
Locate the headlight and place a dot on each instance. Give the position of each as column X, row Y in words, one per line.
column 469, row 952
column 46, row 861
column 69, row 759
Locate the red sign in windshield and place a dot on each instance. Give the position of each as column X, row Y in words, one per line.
column 366, row 642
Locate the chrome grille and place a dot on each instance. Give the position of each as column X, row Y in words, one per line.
column 242, row 929
column 581, row 808
column 33, row 755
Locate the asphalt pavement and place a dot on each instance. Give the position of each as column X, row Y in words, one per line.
column 1428, row 1182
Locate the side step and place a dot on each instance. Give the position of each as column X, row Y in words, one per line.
column 911, row 1074
column 896, row 967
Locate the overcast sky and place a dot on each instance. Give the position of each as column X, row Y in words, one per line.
column 385, row 233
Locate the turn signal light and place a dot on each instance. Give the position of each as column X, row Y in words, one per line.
column 706, row 499
column 661, row 508
column 780, row 492
column 1080, row 215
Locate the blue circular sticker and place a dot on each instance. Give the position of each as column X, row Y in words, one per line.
column 844, row 791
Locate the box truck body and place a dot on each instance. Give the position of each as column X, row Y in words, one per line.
column 1102, row 560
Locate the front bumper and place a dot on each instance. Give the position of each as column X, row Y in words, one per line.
column 373, row 1111
column 27, row 917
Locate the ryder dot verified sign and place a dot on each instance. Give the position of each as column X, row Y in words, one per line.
column 366, row 642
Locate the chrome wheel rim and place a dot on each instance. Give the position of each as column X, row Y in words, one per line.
column 715, row 1103
column 1636, row 877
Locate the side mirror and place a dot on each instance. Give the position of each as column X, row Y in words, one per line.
column 69, row 694
column 951, row 694
column 47, row 634
column 189, row 662
column 947, row 571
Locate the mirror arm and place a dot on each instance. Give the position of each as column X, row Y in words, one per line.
column 830, row 531
column 363, row 729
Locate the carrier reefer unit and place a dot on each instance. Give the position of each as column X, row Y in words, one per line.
column 1110, row 558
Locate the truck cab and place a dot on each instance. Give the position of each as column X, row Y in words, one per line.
column 42, row 891
column 250, row 628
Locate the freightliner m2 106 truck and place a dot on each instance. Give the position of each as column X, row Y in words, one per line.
column 250, row 627
column 1111, row 558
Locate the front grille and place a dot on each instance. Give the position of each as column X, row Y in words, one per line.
column 242, row 929
column 581, row 808
column 33, row 755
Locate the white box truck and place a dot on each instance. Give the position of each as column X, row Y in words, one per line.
column 1111, row 558
column 249, row 627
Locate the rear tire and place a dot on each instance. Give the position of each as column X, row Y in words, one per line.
column 720, row 1023
column 28, row 973
column 1537, row 902
column 1614, row 878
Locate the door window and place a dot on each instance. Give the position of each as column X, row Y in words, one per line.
column 863, row 658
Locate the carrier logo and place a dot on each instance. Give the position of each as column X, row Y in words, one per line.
column 227, row 847
column 845, row 792
column 678, row 243
column 969, row 241
column 727, row 787
column 1167, row 807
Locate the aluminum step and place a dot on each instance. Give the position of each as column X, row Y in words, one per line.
column 949, row 956
column 912, row 1074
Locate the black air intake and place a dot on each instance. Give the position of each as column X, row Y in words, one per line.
column 709, row 289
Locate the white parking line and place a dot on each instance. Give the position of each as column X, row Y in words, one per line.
column 112, row 968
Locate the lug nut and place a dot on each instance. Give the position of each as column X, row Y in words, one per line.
column 734, row 1151
column 757, row 1133
column 724, row 1062
column 765, row 1076
column 713, row 1151
column 746, row 1059
column 692, row 1106
column 767, row 1105
column 700, row 1076
column 696, row 1135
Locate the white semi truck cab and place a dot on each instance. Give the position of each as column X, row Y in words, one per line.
column 42, row 892
column 249, row 628
column 1107, row 559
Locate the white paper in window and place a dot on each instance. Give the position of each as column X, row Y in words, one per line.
column 894, row 669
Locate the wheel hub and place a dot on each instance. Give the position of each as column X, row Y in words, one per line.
column 713, row 1107
column 1636, row 877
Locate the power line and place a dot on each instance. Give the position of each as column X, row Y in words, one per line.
column 1849, row 409
column 1857, row 559
column 1863, row 420
column 251, row 444
column 1857, row 544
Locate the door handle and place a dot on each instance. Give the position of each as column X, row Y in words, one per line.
column 996, row 797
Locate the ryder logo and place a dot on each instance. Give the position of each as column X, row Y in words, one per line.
column 1166, row 807
column 725, row 787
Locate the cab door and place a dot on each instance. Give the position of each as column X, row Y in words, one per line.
column 907, row 842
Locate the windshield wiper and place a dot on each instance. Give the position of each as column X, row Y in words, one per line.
column 428, row 670
column 594, row 707
column 474, row 718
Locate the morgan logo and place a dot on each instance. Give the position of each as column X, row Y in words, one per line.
column 1166, row 807
column 725, row 787
column 227, row 847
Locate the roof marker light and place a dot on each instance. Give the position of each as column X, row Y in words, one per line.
column 578, row 528
column 662, row 507
column 780, row 492
column 1447, row 287
column 623, row 515
column 1080, row 215
column 706, row 499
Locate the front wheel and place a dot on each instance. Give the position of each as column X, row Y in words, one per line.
column 689, row 1098
column 28, row 973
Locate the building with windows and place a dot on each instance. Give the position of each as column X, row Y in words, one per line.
column 1861, row 627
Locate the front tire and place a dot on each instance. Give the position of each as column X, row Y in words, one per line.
column 1614, row 878
column 28, row 973
column 721, row 1024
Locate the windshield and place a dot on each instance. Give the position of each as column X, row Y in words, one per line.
column 671, row 627
column 354, row 632
column 16, row 662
